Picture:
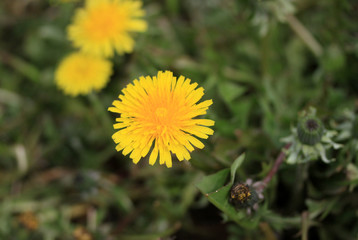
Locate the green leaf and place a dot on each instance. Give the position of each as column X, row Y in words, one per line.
column 320, row 208
column 122, row 199
column 229, row 91
column 236, row 164
column 213, row 182
column 173, row 6
column 216, row 188
column 155, row 236
column 220, row 199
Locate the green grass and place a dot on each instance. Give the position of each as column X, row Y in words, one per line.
column 261, row 68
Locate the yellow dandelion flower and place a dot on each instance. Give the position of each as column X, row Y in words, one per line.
column 103, row 26
column 158, row 113
column 80, row 233
column 28, row 220
column 79, row 73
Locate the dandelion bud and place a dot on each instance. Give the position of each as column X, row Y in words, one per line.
column 310, row 130
column 242, row 196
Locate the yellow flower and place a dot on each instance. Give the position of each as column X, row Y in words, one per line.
column 29, row 220
column 158, row 113
column 103, row 26
column 79, row 73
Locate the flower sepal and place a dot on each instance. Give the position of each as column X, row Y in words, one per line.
column 309, row 140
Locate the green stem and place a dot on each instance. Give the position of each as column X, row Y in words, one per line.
column 305, row 35
column 277, row 164
column 305, row 225
column 101, row 111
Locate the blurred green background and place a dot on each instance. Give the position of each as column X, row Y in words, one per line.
column 261, row 61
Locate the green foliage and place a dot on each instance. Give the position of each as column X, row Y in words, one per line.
column 216, row 188
column 262, row 62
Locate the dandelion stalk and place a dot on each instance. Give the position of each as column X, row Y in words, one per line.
column 305, row 35
column 279, row 160
column 101, row 111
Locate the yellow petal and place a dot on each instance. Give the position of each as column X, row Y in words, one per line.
column 153, row 155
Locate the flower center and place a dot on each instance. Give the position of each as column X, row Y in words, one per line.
column 162, row 121
column 311, row 124
column 104, row 23
column 161, row 112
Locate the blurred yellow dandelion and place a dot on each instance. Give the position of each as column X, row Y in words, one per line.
column 103, row 26
column 158, row 113
column 79, row 73
column 28, row 220
column 80, row 233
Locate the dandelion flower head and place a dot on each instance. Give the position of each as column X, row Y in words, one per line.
column 103, row 26
column 158, row 114
column 79, row 73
